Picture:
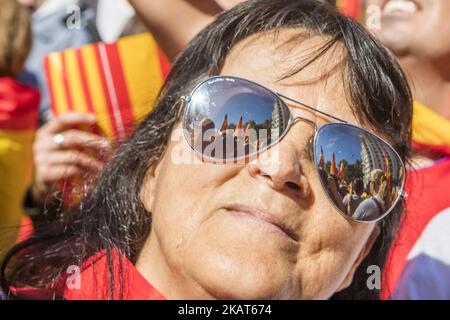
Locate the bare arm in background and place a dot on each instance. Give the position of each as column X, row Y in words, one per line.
column 174, row 23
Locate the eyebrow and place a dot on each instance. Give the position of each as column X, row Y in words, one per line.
column 309, row 107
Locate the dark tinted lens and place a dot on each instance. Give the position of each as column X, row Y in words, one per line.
column 361, row 173
column 229, row 118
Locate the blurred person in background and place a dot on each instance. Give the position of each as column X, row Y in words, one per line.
column 19, row 106
column 55, row 161
column 60, row 145
column 63, row 24
column 377, row 201
column 51, row 32
column 352, row 200
column 418, row 33
column 191, row 17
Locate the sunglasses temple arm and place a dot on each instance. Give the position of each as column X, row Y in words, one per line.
column 404, row 195
column 311, row 108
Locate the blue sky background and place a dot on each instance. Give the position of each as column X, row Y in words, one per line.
column 344, row 146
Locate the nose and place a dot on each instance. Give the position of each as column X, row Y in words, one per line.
column 281, row 166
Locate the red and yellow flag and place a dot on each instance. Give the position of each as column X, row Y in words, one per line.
column 387, row 169
column 341, row 172
column 333, row 170
column 322, row 160
column 239, row 131
column 431, row 131
column 19, row 106
column 224, row 125
column 117, row 82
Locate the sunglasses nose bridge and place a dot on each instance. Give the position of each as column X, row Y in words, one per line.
column 293, row 120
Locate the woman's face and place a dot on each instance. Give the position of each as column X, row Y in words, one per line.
column 210, row 237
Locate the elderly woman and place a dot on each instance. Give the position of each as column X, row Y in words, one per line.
column 172, row 218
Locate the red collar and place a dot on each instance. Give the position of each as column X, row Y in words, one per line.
column 92, row 282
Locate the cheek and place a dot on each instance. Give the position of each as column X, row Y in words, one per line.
column 183, row 190
column 442, row 28
column 329, row 246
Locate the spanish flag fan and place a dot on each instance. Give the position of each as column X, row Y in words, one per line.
column 118, row 82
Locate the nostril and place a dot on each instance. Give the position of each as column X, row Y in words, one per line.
column 293, row 186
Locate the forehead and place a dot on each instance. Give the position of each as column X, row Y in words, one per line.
column 271, row 60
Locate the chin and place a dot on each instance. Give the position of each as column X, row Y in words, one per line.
column 246, row 288
column 224, row 275
column 395, row 41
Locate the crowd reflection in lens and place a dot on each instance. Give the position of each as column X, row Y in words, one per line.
column 361, row 174
column 234, row 126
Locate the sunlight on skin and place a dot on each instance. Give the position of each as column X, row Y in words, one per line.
column 199, row 249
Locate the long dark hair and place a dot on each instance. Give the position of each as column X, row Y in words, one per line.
column 111, row 215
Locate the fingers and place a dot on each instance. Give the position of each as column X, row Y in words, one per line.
column 74, row 139
column 70, row 158
column 61, row 165
column 78, row 153
column 67, row 121
column 59, row 172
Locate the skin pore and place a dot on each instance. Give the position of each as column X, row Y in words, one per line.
column 206, row 241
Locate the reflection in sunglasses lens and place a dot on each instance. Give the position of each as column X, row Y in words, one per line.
column 361, row 174
column 228, row 119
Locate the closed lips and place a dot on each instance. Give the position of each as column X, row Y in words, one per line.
column 264, row 217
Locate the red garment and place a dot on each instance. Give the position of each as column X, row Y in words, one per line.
column 351, row 8
column 93, row 282
column 19, row 105
column 419, row 253
column 26, row 229
column 428, row 195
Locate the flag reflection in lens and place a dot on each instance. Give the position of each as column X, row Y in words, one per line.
column 228, row 118
column 361, row 173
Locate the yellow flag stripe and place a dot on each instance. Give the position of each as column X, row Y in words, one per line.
column 96, row 90
column 74, row 81
column 142, row 72
column 15, row 174
column 57, row 82
column 429, row 127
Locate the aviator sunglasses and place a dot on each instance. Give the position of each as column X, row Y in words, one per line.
column 227, row 119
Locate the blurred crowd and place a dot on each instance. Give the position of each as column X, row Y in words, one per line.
column 46, row 148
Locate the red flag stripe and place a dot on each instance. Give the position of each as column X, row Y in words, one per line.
column 51, row 88
column 84, row 83
column 164, row 62
column 108, row 87
column 67, row 91
column 120, row 86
